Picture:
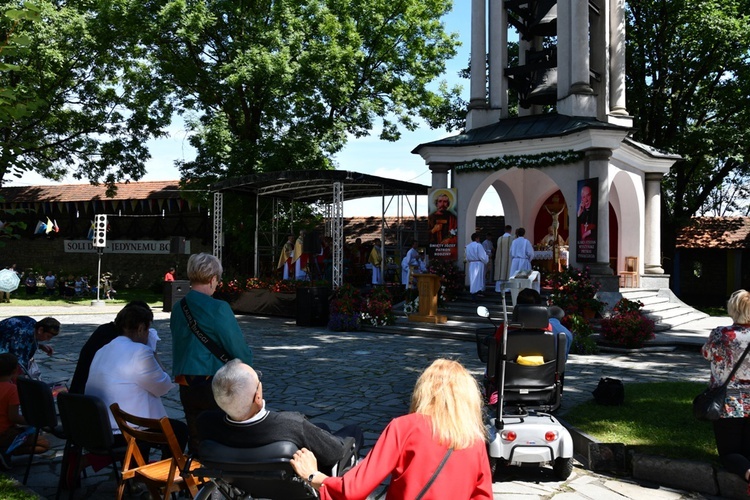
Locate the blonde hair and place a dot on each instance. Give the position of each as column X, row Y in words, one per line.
column 738, row 307
column 450, row 396
column 201, row 267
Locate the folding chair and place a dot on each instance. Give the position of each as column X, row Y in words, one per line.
column 164, row 475
column 38, row 408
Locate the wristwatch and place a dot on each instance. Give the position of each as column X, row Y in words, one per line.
column 312, row 476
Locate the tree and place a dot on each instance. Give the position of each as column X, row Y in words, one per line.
column 280, row 84
column 689, row 89
column 83, row 101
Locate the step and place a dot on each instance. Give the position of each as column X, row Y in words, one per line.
column 683, row 319
column 674, row 312
column 659, row 307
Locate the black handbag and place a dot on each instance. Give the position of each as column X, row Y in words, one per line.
column 609, row 392
column 709, row 404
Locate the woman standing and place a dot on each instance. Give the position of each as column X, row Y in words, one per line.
column 443, row 428
column 724, row 348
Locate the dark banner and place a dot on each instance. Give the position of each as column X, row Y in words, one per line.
column 442, row 224
column 587, row 220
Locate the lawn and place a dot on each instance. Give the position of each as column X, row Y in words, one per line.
column 656, row 419
column 123, row 296
column 10, row 489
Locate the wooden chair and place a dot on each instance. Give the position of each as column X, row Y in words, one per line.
column 629, row 277
column 162, row 476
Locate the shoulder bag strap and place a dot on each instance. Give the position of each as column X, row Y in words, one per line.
column 736, row 366
column 212, row 346
column 434, row 475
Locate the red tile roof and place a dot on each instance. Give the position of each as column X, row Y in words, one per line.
column 715, row 232
column 86, row 192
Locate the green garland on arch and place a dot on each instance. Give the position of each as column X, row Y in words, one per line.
column 521, row 161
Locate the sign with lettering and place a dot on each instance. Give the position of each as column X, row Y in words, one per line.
column 123, row 246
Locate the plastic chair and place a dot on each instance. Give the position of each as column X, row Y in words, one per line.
column 164, row 475
column 38, row 408
column 87, row 426
column 262, row 472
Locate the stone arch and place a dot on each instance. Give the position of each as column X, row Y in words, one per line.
column 627, row 199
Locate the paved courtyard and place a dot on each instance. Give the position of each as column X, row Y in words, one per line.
column 361, row 378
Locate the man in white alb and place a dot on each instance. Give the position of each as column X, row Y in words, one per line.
column 476, row 258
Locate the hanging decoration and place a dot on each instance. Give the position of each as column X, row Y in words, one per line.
column 520, row 161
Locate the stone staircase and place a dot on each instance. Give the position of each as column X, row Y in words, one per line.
column 661, row 305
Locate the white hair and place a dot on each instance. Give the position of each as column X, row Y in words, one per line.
column 234, row 387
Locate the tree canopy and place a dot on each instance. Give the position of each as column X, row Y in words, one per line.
column 280, row 84
column 82, row 101
column 688, row 71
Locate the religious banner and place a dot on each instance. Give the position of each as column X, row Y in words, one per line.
column 587, row 234
column 442, row 224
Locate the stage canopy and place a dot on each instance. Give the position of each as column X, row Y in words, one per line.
column 325, row 187
column 317, row 186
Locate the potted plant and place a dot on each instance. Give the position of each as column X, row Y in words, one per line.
column 573, row 290
column 377, row 309
column 451, row 279
column 345, row 309
column 627, row 327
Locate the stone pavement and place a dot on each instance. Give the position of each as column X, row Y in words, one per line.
column 366, row 379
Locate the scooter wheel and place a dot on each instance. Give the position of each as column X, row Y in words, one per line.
column 562, row 468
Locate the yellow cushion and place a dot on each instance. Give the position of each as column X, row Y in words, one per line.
column 530, row 360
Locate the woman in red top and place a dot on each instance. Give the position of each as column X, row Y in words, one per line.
column 445, row 413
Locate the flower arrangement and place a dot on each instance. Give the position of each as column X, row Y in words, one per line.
column 627, row 327
column 345, row 309
column 378, row 308
column 573, row 290
column 228, row 290
column 451, row 279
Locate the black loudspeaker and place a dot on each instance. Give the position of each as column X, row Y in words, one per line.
column 177, row 245
column 311, row 243
column 312, row 306
column 174, row 291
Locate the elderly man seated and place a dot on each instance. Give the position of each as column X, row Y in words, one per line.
column 244, row 421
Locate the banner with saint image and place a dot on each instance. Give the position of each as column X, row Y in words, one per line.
column 442, row 224
column 587, row 235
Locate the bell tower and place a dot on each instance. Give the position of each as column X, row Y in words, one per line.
column 571, row 59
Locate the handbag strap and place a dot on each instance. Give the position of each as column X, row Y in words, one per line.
column 434, row 475
column 736, row 366
column 212, row 346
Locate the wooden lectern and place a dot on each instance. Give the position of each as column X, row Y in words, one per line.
column 428, row 286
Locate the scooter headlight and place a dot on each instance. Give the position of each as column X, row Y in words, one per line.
column 508, row 435
column 550, row 436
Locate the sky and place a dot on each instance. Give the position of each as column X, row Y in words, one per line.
column 369, row 154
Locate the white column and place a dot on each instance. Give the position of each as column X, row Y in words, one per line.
column 652, row 250
column 439, row 175
column 477, row 98
column 617, row 58
column 579, row 55
column 598, row 166
column 498, row 49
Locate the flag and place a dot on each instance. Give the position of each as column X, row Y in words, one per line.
column 40, row 227
column 49, row 227
column 90, row 236
column 57, row 228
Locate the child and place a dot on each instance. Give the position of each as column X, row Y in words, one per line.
column 11, row 421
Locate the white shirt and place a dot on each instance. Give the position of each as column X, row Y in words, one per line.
column 127, row 373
